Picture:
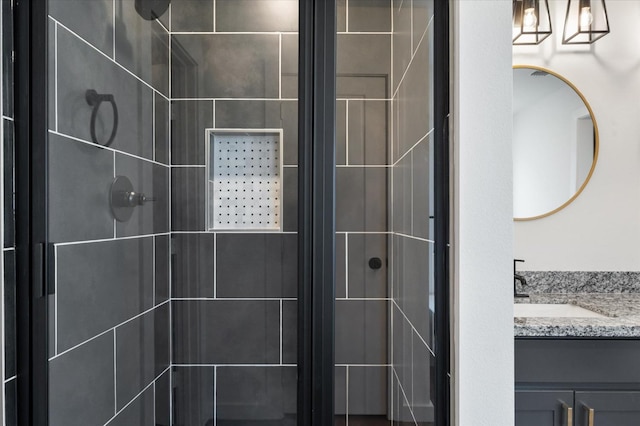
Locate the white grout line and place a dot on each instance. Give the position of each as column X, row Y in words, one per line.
column 236, row 299
column 363, row 365
column 105, row 240
column 178, row 166
column 108, row 57
column 362, row 166
column 346, row 16
column 115, row 374
column 346, row 133
column 412, row 327
column 215, row 265
column 214, row 33
column 53, row 132
column 55, row 71
column 281, row 332
column 215, row 394
column 365, row 232
column 410, row 61
column 413, row 147
column 246, row 99
column 280, row 66
column 414, row 237
column 4, row 117
column 107, row 331
column 10, row 379
column 234, row 365
column 346, row 265
column 364, row 299
column 245, row 232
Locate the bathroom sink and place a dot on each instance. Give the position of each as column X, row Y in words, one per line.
column 528, row 310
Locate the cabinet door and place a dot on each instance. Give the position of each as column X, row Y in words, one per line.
column 544, row 408
column 607, row 408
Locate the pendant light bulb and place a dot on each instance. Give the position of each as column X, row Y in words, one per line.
column 530, row 19
column 586, row 18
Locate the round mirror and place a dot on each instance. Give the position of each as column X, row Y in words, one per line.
column 555, row 142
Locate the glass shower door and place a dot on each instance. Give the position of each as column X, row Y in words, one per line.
column 172, row 212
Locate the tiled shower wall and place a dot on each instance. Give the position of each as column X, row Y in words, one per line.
column 411, row 204
column 109, row 336
column 233, row 66
column 9, row 271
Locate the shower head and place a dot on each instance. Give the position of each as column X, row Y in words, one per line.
column 151, row 9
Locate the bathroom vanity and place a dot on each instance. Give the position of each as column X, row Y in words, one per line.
column 579, row 370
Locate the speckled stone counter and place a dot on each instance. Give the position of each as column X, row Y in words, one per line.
column 622, row 311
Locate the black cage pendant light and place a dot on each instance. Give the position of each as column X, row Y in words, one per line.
column 586, row 22
column 531, row 21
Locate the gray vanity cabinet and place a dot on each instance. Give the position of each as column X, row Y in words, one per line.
column 598, row 378
column 608, row 408
column 543, row 408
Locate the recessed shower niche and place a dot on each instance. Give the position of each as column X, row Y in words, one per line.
column 244, row 180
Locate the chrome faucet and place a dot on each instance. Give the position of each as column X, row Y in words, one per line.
column 517, row 277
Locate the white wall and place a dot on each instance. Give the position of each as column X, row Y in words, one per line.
column 600, row 230
column 483, row 201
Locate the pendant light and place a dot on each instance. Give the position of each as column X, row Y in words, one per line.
column 531, row 21
column 586, row 22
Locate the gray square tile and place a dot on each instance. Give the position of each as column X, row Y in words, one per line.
column 364, row 281
column 289, row 66
column 368, row 132
column 192, row 15
column 290, row 199
column 142, row 353
column 415, row 303
column 422, row 15
column 193, row 394
column 341, row 15
column 363, row 55
column 225, row 65
column 152, row 180
column 401, row 40
column 163, row 258
column 81, row 384
column 9, row 183
column 189, row 121
column 193, row 265
column 51, row 77
column 162, row 132
column 7, row 62
column 11, row 402
column 367, row 390
column 91, row 20
column 289, row 332
column 81, row 68
column 370, row 15
column 226, row 332
column 100, row 285
column 341, row 266
column 340, row 393
column 423, row 362
column 341, row 132
column 86, row 171
column 361, row 199
column 421, row 188
column 256, row 15
column 140, row 412
column 362, row 86
column 258, row 114
column 415, row 100
column 257, row 265
column 255, row 394
column 187, row 199
column 163, row 400
column 361, row 332
column 142, row 46
column 402, row 196
column 400, row 344
column 11, row 343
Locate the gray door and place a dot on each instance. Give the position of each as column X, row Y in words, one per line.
column 608, row 408
column 544, row 408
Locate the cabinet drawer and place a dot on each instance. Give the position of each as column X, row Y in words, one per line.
column 543, row 408
column 609, row 408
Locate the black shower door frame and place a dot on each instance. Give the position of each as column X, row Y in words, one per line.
column 316, row 239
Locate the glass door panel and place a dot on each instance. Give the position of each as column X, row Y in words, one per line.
column 172, row 190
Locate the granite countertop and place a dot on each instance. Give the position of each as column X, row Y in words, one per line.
column 622, row 311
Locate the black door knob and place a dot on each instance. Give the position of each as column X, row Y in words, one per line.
column 375, row 263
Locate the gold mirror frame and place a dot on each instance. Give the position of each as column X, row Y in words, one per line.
column 597, row 142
